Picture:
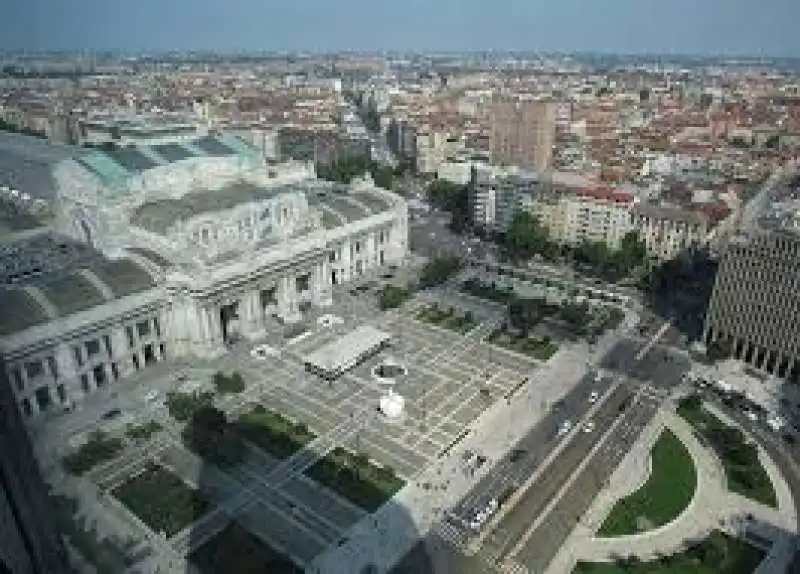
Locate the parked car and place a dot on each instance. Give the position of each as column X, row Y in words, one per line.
column 111, row 414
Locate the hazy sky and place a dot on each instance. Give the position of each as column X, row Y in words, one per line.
column 766, row 27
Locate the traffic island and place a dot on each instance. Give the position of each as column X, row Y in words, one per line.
column 667, row 492
column 717, row 554
column 739, row 457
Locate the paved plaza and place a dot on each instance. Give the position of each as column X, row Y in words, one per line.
column 450, row 380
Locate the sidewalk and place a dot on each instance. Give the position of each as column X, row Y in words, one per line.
column 712, row 507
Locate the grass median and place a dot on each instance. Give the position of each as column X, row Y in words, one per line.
column 739, row 457
column 717, row 554
column 668, row 491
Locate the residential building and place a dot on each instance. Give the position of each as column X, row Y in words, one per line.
column 668, row 231
column 597, row 214
column 523, row 133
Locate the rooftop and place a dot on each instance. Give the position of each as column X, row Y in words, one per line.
column 344, row 353
column 158, row 216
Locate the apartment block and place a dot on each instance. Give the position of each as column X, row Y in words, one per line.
column 669, row 231
column 522, row 133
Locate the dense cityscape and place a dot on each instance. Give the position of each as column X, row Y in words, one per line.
column 405, row 313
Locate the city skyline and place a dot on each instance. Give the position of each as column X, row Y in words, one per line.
column 717, row 27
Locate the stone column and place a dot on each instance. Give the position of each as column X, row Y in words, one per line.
column 252, row 316
column 121, row 353
column 67, row 372
column 210, row 331
column 287, row 300
column 321, row 284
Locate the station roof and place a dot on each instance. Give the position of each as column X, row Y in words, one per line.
column 20, row 311
column 343, row 353
column 47, row 277
column 158, row 216
column 336, row 204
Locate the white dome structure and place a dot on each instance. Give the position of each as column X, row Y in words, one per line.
column 392, row 405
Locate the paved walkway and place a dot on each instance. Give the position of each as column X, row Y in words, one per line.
column 713, row 507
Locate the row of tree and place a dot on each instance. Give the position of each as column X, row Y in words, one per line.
column 526, row 237
column 350, row 168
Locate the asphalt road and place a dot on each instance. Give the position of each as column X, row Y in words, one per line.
column 662, row 367
column 550, row 534
column 533, row 449
column 542, row 492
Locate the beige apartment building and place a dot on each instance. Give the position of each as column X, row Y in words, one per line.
column 668, row 231
column 522, row 133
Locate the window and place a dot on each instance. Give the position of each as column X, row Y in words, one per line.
column 85, row 383
column 26, row 407
column 17, row 374
column 157, row 326
column 143, row 328
column 303, row 283
column 33, row 369
column 92, row 347
column 380, row 237
column 62, row 394
column 332, row 256
column 358, row 247
column 129, row 333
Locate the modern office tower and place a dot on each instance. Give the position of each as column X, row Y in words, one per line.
column 29, row 541
column 755, row 305
column 523, row 133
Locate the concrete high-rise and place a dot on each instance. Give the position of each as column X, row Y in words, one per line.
column 30, row 542
column 755, row 305
column 522, row 133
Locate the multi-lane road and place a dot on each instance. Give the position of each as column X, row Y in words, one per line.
column 531, row 451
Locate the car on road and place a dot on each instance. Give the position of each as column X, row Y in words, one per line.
column 593, row 397
column 751, row 415
column 564, row 427
column 151, row 396
column 588, row 426
column 111, row 414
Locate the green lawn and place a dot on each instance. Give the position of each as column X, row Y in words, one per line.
column 447, row 318
column 718, row 554
column 743, row 470
column 237, row 551
column 273, row 432
column 356, row 478
column 667, row 492
column 541, row 349
column 162, row 500
column 99, row 448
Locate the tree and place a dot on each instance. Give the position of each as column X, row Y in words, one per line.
column 181, row 406
column 438, row 271
column 525, row 236
column 391, row 297
column 208, row 435
column 719, row 350
column 228, row 384
column 644, row 95
column 525, row 313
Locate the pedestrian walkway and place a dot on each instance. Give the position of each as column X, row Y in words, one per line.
column 712, row 507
